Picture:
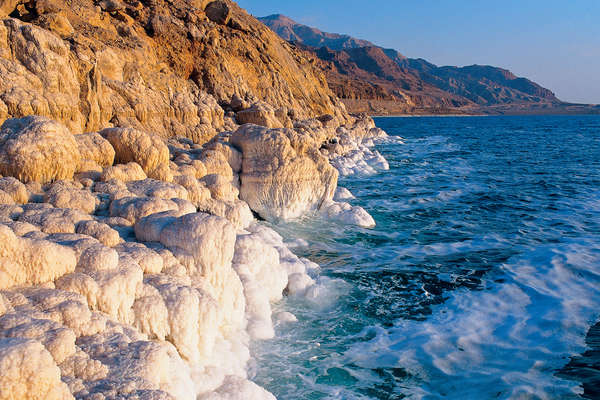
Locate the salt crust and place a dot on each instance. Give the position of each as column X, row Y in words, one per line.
column 116, row 285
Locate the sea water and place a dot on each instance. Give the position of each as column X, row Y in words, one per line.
column 480, row 281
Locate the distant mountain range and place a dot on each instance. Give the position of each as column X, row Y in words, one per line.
column 372, row 79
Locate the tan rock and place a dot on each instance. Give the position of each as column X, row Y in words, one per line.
column 259, row 114
column 149, row 151
column 218, row 12
column 15, row 189
column 124, row 172
column 57, row 23
column 37, row 149
column 93, row 147
column 62, row 195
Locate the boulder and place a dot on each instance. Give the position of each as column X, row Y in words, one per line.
column 15, row 189
column 94, row 147
column 124, row 172
column 283, row 173
column 134, row 208
column 218, row 12
column 65, row 196
column 37, row 149
column 149, row 151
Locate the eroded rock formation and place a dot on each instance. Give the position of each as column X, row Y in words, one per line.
column 131, row 263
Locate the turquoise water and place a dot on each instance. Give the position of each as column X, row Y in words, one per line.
column 480, row 281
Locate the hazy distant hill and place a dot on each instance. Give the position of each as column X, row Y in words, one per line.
column 361, row 72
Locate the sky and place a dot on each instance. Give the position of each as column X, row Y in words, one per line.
column 555, row 43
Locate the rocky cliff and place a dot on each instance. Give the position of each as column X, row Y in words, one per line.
column 166, row 66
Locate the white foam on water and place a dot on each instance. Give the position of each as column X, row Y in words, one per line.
column 504, row 342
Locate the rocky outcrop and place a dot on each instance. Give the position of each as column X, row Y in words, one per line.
column 36, row 149
column 283, row 174
column 167, row 67
column 149, row 151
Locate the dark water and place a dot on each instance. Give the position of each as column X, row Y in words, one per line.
column 481, row 280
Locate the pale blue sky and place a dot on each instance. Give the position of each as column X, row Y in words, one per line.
column 553, row 42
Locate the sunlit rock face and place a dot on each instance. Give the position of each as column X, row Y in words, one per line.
column 283, row 173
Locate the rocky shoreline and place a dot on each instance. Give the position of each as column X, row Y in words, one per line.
column 141, row 146
column 118, row 285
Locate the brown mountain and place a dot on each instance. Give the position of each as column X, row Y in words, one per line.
column 294, row 32
column 373, row 79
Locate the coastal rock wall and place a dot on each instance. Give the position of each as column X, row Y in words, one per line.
column 168, row 67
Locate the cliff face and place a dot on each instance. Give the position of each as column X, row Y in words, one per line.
column 360, row 72
column 163, row 66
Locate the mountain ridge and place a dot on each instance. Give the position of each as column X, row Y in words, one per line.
column 362, row 73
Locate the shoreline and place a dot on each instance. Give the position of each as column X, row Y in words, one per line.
column 154, row 244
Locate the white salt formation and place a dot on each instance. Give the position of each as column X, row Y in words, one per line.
column 148, row 278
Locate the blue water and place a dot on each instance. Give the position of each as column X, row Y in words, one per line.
column 480, row 281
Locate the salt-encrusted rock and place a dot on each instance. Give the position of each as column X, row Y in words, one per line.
column 64, row 195
column 21, row 228
column 209, row 243
column 53, row 220
column 215, row 162
column 29, row 372
column 124, row 172
column 148, row 150
column 148, row 229
column 197, row 193
column 237, row 211
column 37, row 149
column 117, row 289
column 134, row 208
column 59, row 341
column 93, row 147
column 160, row 189
column 235, row 387
column 257, row 264
column 260, row 114
column 232, row 155
column 220, row 187
column 283, row 173
column 147, row 259
column 348, row 214
column 5, row 198
column 101, row 231
column 33, row 262
column 341, row 193
column 15, row 189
